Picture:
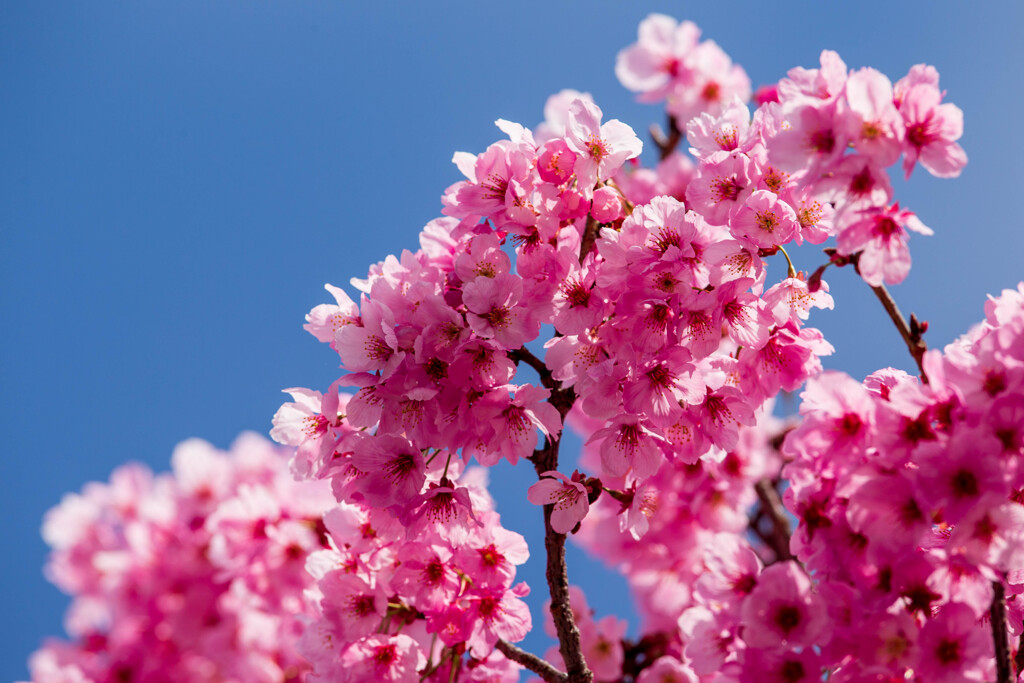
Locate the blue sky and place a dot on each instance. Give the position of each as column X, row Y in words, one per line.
column 180, row 179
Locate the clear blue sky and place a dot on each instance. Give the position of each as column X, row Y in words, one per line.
column 179, row 180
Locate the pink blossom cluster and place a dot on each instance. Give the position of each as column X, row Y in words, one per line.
column 909, row 498
column 666, row 329
column 812, row 162
column 658, row 534
column 195, row 575
column 419, row 572
column 427, row 602
column 668, row 336
column 910, row 501
column 670, row 63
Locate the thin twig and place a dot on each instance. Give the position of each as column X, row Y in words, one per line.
column 911, row 336
column 997, row 612
column 531, row 662
column 911, row 332
column 666, row 144
column 772, row 505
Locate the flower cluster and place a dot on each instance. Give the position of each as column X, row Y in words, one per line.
column 669, row 62
column 811, row 163
column 909, row 498
column 658, row 534
column 196, row 575
column 393, row 600
column 671, row 336
column 667, row 331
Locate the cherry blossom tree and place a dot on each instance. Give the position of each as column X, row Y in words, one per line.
column 654, row 310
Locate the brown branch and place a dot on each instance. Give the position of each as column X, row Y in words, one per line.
column 911, row 333
column 997, row 612
column 532, row 662
column 526, row 356
column 561, row 610
column 772, row 505
column 589, row 237
column 1018, row 659
column 641, row 654
column 666, row 145
column 544, row 460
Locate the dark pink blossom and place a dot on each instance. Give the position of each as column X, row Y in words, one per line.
column 782, row 609
column 953, row 648
column 391, row 659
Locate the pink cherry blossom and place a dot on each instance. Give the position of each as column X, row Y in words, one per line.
column 765, row 220
column 874, row 126
column 648, row 306
column 932, row 127
column 660, row 57
column 952, row 649
column 568, row 496
column 601, row 148
column 881, row 237
column 782, row 609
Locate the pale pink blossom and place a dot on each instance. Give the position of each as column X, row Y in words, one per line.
column 324, row 321
column 568, row 496
column 932, row 127
column 873, row 125
column 601, row 148
column 661, row 56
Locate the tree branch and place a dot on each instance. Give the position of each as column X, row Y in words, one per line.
column 544, row 460
column 561, row 610
column 1018, row 659
column 526, row 356
column 666, row 145
column 772, row 506
column 532, row 662
column 997, row 612
column 911, row 333
column 589, row 237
